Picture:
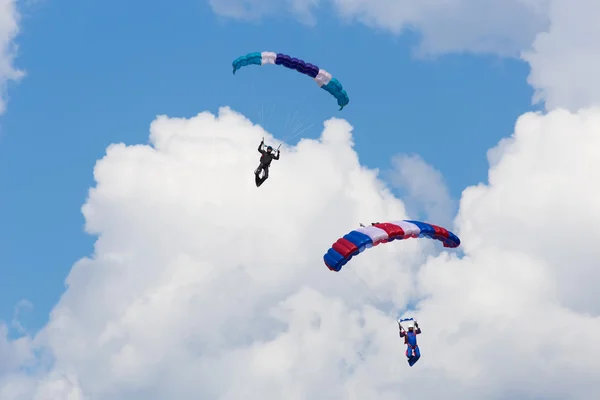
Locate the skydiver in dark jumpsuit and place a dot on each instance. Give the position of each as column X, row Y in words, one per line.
column 265, row 162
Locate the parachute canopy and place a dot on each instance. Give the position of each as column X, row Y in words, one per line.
column 365, row 237
column 322, row 77
column 407, row 323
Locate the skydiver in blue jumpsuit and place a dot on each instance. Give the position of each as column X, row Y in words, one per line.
column 410, row 340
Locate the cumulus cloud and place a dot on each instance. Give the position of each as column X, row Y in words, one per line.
column 13, row 353
column 565, row 59
column 22, row 306
column 242, row 9
column 426, row 190
column 556, row 156
column 500, row 26
column 203, row 286
column 9, row 29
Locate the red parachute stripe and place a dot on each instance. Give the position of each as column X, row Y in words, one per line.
column 440, row 233
column 392, row 230
column 344, row 247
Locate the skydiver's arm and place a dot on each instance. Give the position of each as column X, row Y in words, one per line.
column 276, row 156
column 418, row 330
column 260, row 146
column 400, row 330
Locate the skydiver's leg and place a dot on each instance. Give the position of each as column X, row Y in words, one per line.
column 266, row 169
column 412, row 355
column 258, row 169
column 417, row 355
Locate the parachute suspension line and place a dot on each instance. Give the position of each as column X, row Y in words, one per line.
column 291, row 124
column 264, row 117
column 369, row 291
column 353, row 284
column 287, row 122
column 298, row 133
column 263, row 121
column 295, row 125
column 270, row 115
column 262, row 114
column 358, row 281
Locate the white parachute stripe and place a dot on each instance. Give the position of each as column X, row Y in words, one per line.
column 268, row 57
column 409, row 228
column 376, row 234
column 323, row 78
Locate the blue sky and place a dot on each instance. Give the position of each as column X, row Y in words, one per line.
column 98, row 73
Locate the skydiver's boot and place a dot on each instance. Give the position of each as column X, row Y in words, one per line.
column 257, row 172
column 257, row 179
column 265, row 171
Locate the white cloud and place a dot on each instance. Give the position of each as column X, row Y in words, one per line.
column 496, row 26
column 22, row 305
column 245, row 9
column 500, row 26
column 9, row 29
column 426, row 190
column 554, row 158
column 565, row 60
column 203, row 286
column 13, row 353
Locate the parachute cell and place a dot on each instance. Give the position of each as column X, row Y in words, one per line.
column 407, row 323
column 322, row 77
column 358, row 240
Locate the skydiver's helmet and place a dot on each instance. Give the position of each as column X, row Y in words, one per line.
column 269, row 149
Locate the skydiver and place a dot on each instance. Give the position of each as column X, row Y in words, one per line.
column 410, row 340
column 265, row 162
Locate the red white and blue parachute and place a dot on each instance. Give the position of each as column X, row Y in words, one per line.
column 322, row 77
column 365, row 237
